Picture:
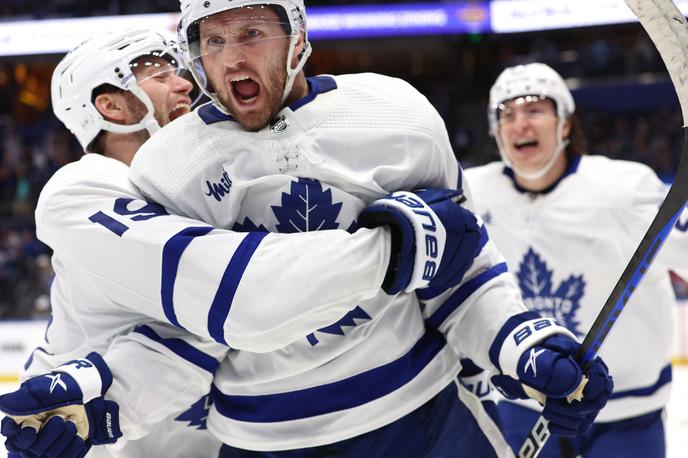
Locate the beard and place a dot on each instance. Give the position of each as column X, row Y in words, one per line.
column 271, row 91
column 139, row 111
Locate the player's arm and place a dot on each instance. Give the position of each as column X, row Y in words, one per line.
column 145, row 376
column 254, row 291
column 152, row 352
column 647, row 194
column 484, row 317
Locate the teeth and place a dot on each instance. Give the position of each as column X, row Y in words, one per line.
column 238, row 78
column 179, row 109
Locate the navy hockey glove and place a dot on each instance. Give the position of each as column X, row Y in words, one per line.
column 549, row 373
column 73, row 391
column 57, row 438
column 434, row 239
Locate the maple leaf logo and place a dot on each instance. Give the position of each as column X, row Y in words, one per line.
column 306, row 208
column 197, row 415
column 353, row 227
column 535, row 281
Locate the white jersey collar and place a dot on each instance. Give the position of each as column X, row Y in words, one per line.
column 211, row 114
column 571, row 168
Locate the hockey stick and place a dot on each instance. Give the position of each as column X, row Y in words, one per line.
column 668, row 29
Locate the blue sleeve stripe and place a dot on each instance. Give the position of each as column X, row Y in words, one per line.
column 509, row 326
column 462, row 293
column 181, row 348
column 29, row 362
column 431, row 293
column 224, row 296
column 332, row 397
column 171, row 255
column 484, row 238
column 665, row 377
column 103, row 370
column 459, row 183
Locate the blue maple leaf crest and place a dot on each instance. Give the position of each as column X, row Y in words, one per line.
column 535, row 281
column 197, row 415
column 306, row 208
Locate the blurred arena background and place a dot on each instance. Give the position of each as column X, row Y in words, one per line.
column 450, row 50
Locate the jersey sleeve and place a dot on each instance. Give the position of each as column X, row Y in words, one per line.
column 137, row 360
column 253, row 291
column 676, row 256
column 473, row 314
column 477, row 316
column 648, row 194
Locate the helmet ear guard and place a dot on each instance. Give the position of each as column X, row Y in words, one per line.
column 535, row 79
column 107, row 60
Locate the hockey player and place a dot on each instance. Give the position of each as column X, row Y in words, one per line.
column 293, row 154
column 277, row 152
column 122, row 262
column 567, row 224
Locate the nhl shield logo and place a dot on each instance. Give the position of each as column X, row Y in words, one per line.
column 280, row 125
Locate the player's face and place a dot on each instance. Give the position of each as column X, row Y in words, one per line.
column 244, row 56
column 168, row 92
column 528, row 130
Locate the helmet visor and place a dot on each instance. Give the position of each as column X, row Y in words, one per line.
column 529, row 106
column 222, row 40
column 163, row 66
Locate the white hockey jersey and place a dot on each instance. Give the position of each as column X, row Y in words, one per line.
column 122, row 263
column 568, row 248
column 353, row 139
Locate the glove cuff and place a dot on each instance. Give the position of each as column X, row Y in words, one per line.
column 427, row 230
column 92, row 374
column 524, row 336
column 103, row 421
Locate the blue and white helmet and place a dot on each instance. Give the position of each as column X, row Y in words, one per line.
column 193, row 12
column 535, row 79
column 107, row 59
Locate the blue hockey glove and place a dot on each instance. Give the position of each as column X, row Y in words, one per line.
column 72, row 392
column 571, row 402
column 57, row 438
column 434, row 239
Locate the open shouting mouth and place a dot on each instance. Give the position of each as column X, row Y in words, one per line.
column 245, row 89
column 178, row 110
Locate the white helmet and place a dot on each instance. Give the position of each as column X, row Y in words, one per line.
column 105, row 59
column 292, row 13
column 534, row 79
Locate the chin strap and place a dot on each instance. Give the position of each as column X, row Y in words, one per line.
column 292, row 73
column 148, row 122
column 536, row 175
